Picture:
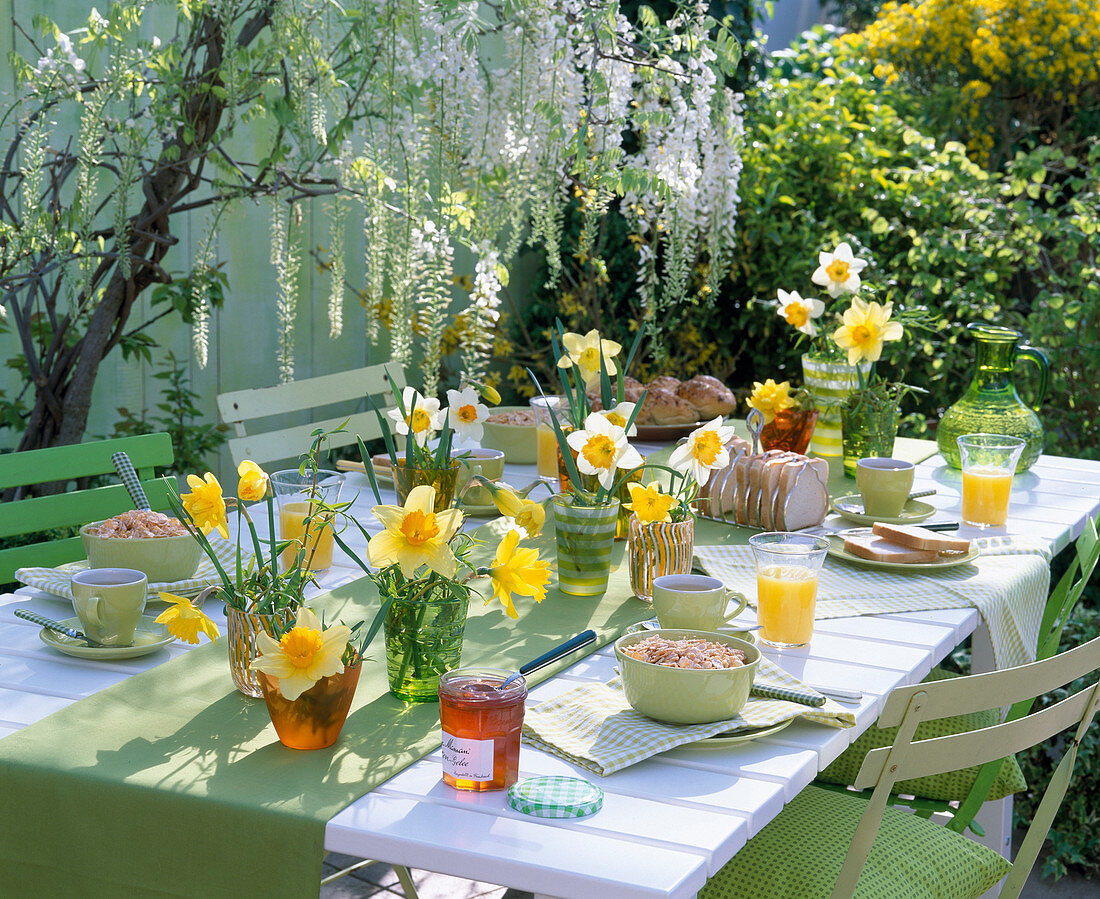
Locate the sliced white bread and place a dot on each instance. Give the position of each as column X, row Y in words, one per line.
column 741, row 488
column 787, row 476
column 920, row 538
column 752, row 500
column 727, row 500
column 803, row 496
column 879, row 550
column 769, row 487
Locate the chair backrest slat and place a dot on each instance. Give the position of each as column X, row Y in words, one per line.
column 75, row 507
column 243, row 408
column 994, row 690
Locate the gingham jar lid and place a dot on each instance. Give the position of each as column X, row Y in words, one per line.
column 552, row 796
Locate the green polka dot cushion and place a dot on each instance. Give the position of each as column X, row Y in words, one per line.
column 800, row 853
column 951, row 785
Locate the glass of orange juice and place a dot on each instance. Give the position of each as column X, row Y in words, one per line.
column 787, row 567
column 988, row 464
column 545, row 436
column 301, row 519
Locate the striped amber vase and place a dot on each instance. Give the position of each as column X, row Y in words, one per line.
column 830, row 382
column 241, row 631
column 585, row 535
column 658, row 548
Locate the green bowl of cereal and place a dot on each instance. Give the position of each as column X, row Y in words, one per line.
column 155, row 544
column 656, row 685
column 511, row 429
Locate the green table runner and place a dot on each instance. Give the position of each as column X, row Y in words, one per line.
column 173, row 783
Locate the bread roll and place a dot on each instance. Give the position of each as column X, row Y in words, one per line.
column 663, row 407
column 708, row 395
column 664, row 382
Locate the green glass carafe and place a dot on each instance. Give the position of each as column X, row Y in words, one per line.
column 991, row 404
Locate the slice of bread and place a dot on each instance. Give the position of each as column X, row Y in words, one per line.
column 879, row 550
column 728, row 498
column 769, row 487
column 741, row 488
column 804, row 497
column 920, row 538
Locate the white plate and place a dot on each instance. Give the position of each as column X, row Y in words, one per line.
column 149, row 637
column 851, row 508
column 720, row 741
column 836, row 550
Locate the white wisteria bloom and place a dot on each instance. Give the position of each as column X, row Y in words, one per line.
column 704, row 452
column 466, row 414
column 620, row 415
column 798, row 312
column 601, row 449
column 422, row 416
column 838, row 271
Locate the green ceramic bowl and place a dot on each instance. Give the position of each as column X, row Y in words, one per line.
column 686, row 695
column 160, row 558
column 516, row 441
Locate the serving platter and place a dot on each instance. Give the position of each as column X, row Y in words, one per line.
column 837, row 551
column 851, row 509
column 666, row 432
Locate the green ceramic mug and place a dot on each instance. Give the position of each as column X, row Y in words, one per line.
column 884, row 485
column 109, row 603
column 489, row 463
column 694, row 601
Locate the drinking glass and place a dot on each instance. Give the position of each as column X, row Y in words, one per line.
column 546, row 437
column 988, row 464
column 297, row 494
column 786, row 585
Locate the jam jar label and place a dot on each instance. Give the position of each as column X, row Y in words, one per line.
column 467, row 759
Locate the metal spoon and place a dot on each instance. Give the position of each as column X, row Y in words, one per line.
column 563, row 649
column 56, row 626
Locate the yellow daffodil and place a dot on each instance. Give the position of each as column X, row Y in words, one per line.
column 528, row 514
column 838, row 271
column 620, row 415
column 466, row 414
column 601, row 449
column 649, row 503
column 184, row 621
column 252, row 486
column 517, row 571
column 416, row 535
column 704, row 451
column 205, row 504
column 866, row 327
column 422, row 416
column 304, row 655
column 798, row 312
column 771, row 398
column 585, row 353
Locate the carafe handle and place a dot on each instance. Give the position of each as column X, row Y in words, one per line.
column 1039, row 359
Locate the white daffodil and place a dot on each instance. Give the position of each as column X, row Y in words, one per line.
column 585, row 352
column 422, row 416
column 620, row 415
column 838, row 271
column 704, row 452
column 798, row 312
column 602, row 448
column 466, row 414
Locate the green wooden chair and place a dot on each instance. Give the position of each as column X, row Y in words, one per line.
column 75, row 507
column 247, row 410
column 972, row 787
column 841, row 845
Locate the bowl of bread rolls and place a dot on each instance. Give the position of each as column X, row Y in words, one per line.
column 674, row 408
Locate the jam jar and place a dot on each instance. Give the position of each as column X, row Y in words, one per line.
column 481, row 727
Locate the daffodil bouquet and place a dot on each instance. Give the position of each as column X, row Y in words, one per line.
column 599, row 439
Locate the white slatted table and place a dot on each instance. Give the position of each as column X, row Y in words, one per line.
column 667, row 823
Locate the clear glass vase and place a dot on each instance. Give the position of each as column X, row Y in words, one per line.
column 242, row 629
column 870, row 429
column 657, row 548
column 423, row 642
column 405, row 478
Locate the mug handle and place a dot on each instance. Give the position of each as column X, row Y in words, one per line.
column 94, row 607
column 731, row 594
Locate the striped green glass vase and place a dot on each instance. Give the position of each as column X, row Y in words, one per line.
column 585, row 535
column 830, row 382
column 658, row 548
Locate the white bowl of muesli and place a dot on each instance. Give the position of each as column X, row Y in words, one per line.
column 151, row 542
column 685, row 676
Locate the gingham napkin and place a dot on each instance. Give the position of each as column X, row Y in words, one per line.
column 1007, row 583
column 56, row 580
column 594, row 726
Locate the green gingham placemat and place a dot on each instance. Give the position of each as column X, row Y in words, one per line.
column 56, row 580
column 1007, row 583
column 594, row 726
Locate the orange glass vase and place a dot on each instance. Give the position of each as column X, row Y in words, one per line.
column 313, row 720
column 790, row 430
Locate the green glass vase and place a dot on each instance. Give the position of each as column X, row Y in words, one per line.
column 991, row 404
column 423, row 641
column 584, row 535
column 870, row 428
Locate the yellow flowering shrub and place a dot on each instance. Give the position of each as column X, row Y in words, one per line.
column 1005, row 70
